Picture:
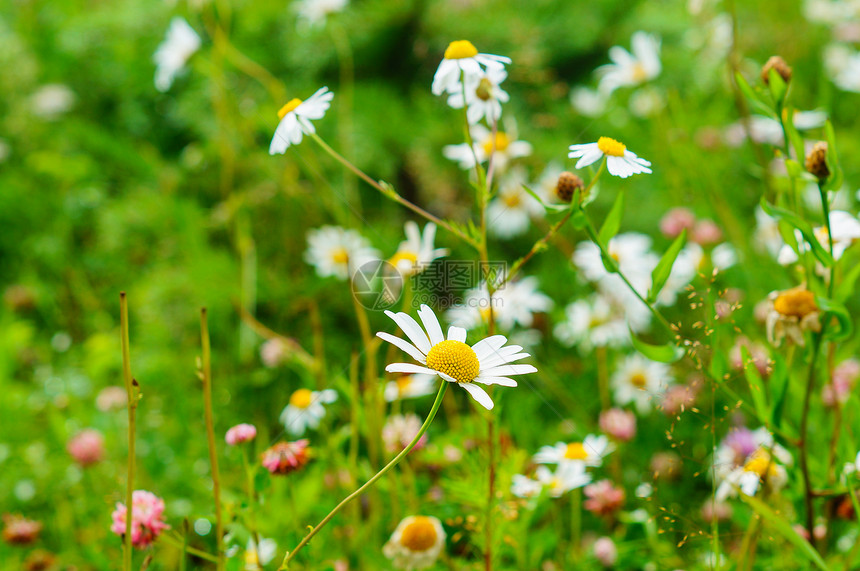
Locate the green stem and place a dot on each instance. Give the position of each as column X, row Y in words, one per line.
column 396, row 460
column 210, row 436
column 132, row 408
column 180, row 544
column 804, row 429
column 576, row 522
column 825, row 208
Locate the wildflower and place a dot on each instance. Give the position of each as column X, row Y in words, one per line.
column 567, row 184
column 486, row 362
column 524, row 487
column 767, row 232
column 416, row 253
column 170, row 57
column 40, row 560
column 274, row 352
column 87, row 447
column 483, row 96
column 720, row 511
column 588, row 102
column 666, row 465
column 567, row 476
column 589, row 452
column 843, row 66
column 409, row 386
column 746, row 458
column 240, row 433
column 638, row 380
column 462, row 58
column 52, row 100
column 416, row 542
column 845, row 229
column 603, row 498
column 845, row 376
column 296, row 118
column 255, row 554
column 679, row 398
column 503, row 147
column 286, row 457
column 618, row 423
column 399, row 430
column 335, row 251
column 599, row 322
column 605, row 551
column 777, row 64
column 760, row 468
column 790, row 313
column 305, row 409
column 314, row 12
column 758, row 355
column 628, row 70
column 514, row 304
column 110, row 398
column 147, row 518
column 706, row 233
column 619, row 161
column 510, row 212
column 816, row 161
column 18, row 530
column 852, row 467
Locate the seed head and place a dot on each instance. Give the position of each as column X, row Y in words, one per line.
column 816, row 161
column 567, row 185
column 778, row 64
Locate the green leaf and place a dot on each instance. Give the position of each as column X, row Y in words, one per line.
column 846, row 288
column 777, row 87
column 782, row 524
column 557, row 207
column 803, row 226
column 757, row 389
column 794, row 138
column 834, row 181
column 613, row 221
column 664, row 266
column 778, row 383
column 668, row 353
column 758, row 104
column 834, row 310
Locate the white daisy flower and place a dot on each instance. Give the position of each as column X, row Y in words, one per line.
column 768, row 130
column 589, row 452
column 502, row 147
column 257, row 556
column 416, row 252
column 588, row 102
column 619, row 161
column 524, row 487
column 547, row 183
column 484, row 97
column 296, row 118
column 600, row 322
column 336, row 251
column 409, row 386
column 170, row 57
column 845, row 228
column 306, row 410
column 638, row 380
column 416, row 543
column 513, row 305
column 628, row 70
column 631, row 251
column 510, row 212
column 567, row 476
column 843, row 66
column 462, row 56
column 767, row 232
column 761, row 467
column 852, row 467
column 314, row 12
column 51, row 101
column 485, row 362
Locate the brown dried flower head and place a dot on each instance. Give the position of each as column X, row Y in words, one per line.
column 777, row 64
column 567, row 185
column 816, row 161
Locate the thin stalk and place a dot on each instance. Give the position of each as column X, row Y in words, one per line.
column 130, row 384
column 368, row 384
column 180, row 544
column 576, row 522
column 346, row 62
column 804, row 429
column 396, row 460
column 210, row 435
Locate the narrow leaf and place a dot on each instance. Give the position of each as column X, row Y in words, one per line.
column 758, row 104
column 834, row 310
column 778, row 383
column 668, row 353
column 664, row 266
column 834, row 182
column 803, row 226
column 777, row 87
column 756, row 386
column 613, row 221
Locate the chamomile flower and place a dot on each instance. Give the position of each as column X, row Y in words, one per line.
column 486, row 362
column 255, row 556
column 170, row 57
column 760, row 468
column 483, row 96
column 619, row 161
column 314, row 12
column 296, row 118
column 409, row 386
column 305, row 410
column 567, row 476
column 512, row 209
column 503, row 148
column 600, row 322
column 513, row 305
column 631, row 251
column 417, row 252
column 590, row 451
column 631, row 69
column 336, row 251
column 845, row 228
column 462, row 58
column 416, row 543
column 524, row 487
column 790, row 313
column 638, row 380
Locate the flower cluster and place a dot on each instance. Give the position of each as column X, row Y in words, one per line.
column 147, row 518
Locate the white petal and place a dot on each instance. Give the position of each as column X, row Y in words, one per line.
column 486, row 347
column 502, row 381
column 509, row 370
column 479, row 394
column 590, row 157
column 404, row 345
column 431, row 324
column 408, row 368
column 412, row 330
column 457, row 334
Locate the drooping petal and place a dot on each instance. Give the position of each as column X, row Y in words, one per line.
column 479, row 394
column 404, row 345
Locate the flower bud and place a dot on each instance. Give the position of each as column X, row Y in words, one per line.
column 816, row 161
column 567, row 185
column 778, row 64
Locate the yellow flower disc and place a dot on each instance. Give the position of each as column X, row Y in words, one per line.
column 290, row 106
column 455, row 359
column 460, row 49
column 419, row 534
column 301, row 398
column 611, row 147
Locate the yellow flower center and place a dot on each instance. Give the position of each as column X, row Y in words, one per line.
column 575, row 451
column 501, row 143
column 460, row 49
column 639, row 380
column 485, row 89
column 251, row 558
column 403, row 383
column 611, row 147
column 455, row 359
column 795, row 303
column 512, row 199
column 340, row 256
column 290, row 106
column 761, row 464
column 419, row 534
column 639, row 73
column 403, row 256
column 301, row 398
column 485, row 314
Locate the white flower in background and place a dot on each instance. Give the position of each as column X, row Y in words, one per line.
column 524, row 487
column 761, row 467
column 416, row 543
column 306, row 410
column 484, row 96
column 336, row 251
column 852, row 467
column 590, row 451
column 486, row 362
column 567, row 476
column 740, row 444
column 502, row 147
column 639, row 380
column 588, row 102
column 514, row 304
column 831, row 12
column 510, row 212
column 52, row 100
column 296, row 118
column 631, row 251
column 416, row 252
column 843, row 66
column 767, row 232
column 462, row 58
column 646, row 102
column 768, row 130
column 628, row 70
column 600, row 322
column 258, row 555
column 170, row 57
column 846, row 230
column 314, row 12
column 410, row 386
column 400, row 430
column 619, row 161
column 547, row 183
